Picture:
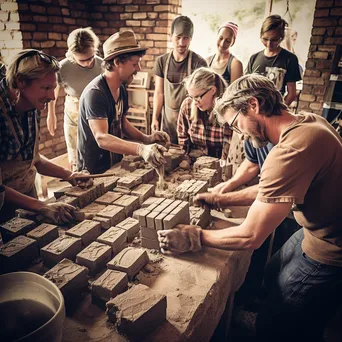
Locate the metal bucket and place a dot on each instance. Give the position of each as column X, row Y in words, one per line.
column 31, row 308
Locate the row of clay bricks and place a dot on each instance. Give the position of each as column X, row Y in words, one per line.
column 158, row 214
column 187, row 190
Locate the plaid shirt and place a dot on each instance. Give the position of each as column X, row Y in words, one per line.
column 24, row 127
column 202, row 134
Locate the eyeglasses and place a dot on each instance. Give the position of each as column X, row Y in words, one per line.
column 199, row 98
column 43, row 56
column 266, row 40
column 231, row 125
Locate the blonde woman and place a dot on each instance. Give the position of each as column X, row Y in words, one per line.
column 197, row 127
column 80, row 66
column 223, row 61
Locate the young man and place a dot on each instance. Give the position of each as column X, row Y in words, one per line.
column 103, row 106
column 28, row 87
column 170, row 70
column 303, row 171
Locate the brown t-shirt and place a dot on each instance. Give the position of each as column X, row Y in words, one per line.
column 177, row 70
column 305, row 168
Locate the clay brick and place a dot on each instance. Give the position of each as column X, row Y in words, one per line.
column 140, row 215
column 129, row 203
column 108, row 198
column 86, row 230
column 108, row 182
column 161, row 207
column 63, row 247
column 148, row 233
column 144, row 191
column 147, row 174
column 189, row 188
column 15, row 227
column 199, row 216
column 18, row 253
column 115, row 238
column 150, row 243
column 158, row 222
column 133, row 322
column 106, row 222
column 206, row 162
column 94, row 257
column 89, row 211
column 23, row 213
column 130, row 260
column 122, row 191
column 129, row 181
column 114, row 212
column 150, row 219
column 69, row 277
column 152, row 200
column 68, row 200
column 131, row 226
column 44, row 234
column 85, row 196
column 109, row 285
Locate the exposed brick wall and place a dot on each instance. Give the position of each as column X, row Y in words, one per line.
column 46, row 24
column 326, row 35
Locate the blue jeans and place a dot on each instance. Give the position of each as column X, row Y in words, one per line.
column 302, row 295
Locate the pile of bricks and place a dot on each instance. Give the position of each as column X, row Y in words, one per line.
column 187, row 190
column 160, row 214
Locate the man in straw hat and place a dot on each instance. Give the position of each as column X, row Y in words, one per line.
column 170, row 70
column 103, row 108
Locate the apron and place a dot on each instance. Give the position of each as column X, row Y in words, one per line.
column 71, row 108
column 174, row 94
column 116, row 130
column 18, row 174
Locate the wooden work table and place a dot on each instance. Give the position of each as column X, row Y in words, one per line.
column 197, row 286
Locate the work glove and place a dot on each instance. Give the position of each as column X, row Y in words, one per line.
column 58, row 212
column 82, row 183
column 152, row 154
column 160, row 138
column 207, row 199
column 183, row 238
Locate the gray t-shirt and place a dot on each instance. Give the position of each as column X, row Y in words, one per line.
column 74, row 78
column 97, row 102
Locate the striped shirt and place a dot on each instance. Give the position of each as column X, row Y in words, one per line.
column 203, row 134
column 24, row 126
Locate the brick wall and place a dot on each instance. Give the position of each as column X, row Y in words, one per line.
column 46, row 24
column 326, row 35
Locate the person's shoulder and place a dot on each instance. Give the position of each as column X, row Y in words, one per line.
column 66, row 63
column 198, row 59
column 162, row 58
column 209, row 58
column 96, row 85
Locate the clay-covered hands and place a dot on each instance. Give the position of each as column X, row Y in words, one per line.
column 82, row 183
column 58, row 212
column 208, row 199
column 152, row 154
column 159, row 137
column 183, row 238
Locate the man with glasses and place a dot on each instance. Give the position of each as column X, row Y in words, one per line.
column 303, row 171
column 170, row 70
column 27, row 89
column 277, row 64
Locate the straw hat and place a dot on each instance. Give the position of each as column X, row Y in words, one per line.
column 119, row 43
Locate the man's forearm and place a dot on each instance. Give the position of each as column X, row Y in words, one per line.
column 241, row 197
column 47, row 168
column 158, row 100
column 133, row 133
column 22, row 201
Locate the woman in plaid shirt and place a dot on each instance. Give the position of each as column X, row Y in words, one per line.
column 197, row 125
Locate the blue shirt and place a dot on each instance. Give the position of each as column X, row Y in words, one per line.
column 257, row 155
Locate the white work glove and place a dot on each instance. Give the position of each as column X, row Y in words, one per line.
column 58, row 212
column 82, row 183
column 159, row 137
column 152, row 154
column 183, row 238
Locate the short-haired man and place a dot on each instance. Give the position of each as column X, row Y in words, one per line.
column 304, row 171
column 29, row 85
column 103, row 106
column 170, row 70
